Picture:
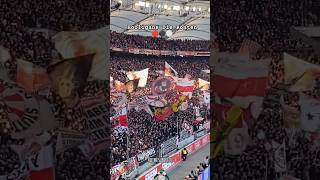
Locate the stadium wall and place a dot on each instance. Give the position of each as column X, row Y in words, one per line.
column 176, row 158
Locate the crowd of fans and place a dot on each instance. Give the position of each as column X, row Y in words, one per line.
column 26, row 30
column 267, row 23
column 144, row 131
column 121, row 40
column 193, row 175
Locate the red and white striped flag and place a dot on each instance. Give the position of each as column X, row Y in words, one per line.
column 249, row 47
column 241, row 83
column 185, row 86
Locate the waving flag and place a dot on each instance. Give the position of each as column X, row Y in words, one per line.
column 69, row 77
column 303, row 74
column 161, row 113
column 74, row 44
column 142, row 76
column 185, row 86
column 241, row 83
column 203, row 84
column 120, row 119
column 31, row 77
column 162, row 85
column 132, row 85
column 169, row 71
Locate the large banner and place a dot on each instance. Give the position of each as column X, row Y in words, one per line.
column 97, row 121
column 27, row 115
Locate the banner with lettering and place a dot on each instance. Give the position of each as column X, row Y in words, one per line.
column 97, row 121
column 142, row 158
column 27, row 115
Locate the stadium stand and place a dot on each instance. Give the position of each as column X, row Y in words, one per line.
column 269, row 24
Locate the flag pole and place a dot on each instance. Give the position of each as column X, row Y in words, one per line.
column 178, row 135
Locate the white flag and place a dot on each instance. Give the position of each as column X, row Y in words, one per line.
column 141, row 75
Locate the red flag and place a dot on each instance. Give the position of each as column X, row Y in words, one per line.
column 240, row 82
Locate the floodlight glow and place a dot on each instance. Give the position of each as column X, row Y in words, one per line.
column 187, row 8
column 165, row 6
column 194, row 9
column 147, row 4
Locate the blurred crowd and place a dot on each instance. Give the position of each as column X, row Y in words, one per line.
column 26, row 29
column 121, row 40
column 268, row 23
column 144, row 131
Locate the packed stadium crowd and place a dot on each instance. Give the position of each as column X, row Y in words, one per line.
column 267, row 23
column 26, row 30
column 122, row 40
column 144, row 131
